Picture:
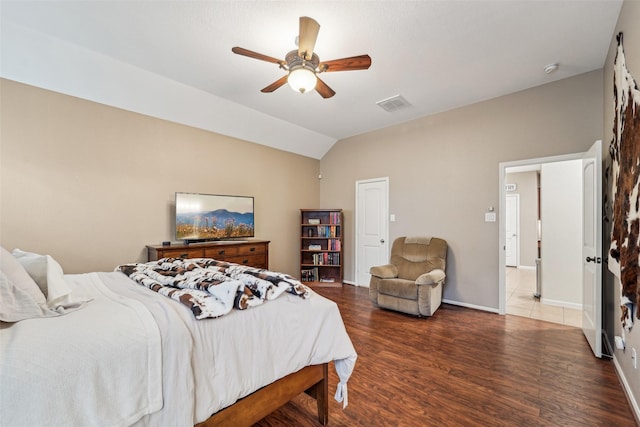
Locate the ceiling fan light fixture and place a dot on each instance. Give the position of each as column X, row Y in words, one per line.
column 302, row 79
column 303, row 65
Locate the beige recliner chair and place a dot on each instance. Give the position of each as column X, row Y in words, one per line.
column 412, row 282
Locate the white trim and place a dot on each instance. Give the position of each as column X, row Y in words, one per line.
column 633, row 403
column 611, row 354
column 473, row 306
column 573, row 305
column 349, row 282
column 502, row 167
column 526, row 267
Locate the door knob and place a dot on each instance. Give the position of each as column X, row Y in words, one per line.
column 594, row 260
column 381, row 240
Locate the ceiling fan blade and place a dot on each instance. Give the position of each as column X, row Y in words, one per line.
column 256, row 55
column 307, row 37
column 275, row 85
column 361, row 62
column 324, row 90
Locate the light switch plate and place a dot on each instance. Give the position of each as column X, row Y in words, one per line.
column 490, row 217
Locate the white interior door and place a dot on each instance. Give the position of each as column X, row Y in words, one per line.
column 372, row 212
column 511, row 238
column 592, row 247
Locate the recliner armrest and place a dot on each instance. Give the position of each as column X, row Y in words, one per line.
column 388, row 271
column 431, row 278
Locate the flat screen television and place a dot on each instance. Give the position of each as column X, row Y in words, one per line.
column 202, row 217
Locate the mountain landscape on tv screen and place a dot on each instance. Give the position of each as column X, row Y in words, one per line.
column 218, row 224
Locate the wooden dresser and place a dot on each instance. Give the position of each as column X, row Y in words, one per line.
column 254, row 253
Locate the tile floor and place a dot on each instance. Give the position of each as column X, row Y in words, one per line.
column 521, row 285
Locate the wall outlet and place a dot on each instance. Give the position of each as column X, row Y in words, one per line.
column 634, row 357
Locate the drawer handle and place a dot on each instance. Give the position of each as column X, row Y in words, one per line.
column 245, row 261
column 184, row 255
column 252, row 249
column 221, row 252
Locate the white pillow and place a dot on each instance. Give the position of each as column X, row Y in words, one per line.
column 16, row 303
column 16, row 273
column 20, row 296
column 47, row 273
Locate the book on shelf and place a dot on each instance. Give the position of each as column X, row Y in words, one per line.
column 313, row 221
column 309, row 275
column 326, row 259
column 334, row 217
column 328, row 231
column 315, row 247
column 327, row 279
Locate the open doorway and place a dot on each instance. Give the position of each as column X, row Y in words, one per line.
column 544, row 281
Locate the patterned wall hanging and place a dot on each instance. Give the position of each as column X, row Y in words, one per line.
column 625, row 154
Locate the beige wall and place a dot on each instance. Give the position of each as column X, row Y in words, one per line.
column 92, row 185
column 443, row 172
column 628, row 24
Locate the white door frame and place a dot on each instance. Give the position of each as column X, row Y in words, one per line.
column 357, row 225
column 502, row 286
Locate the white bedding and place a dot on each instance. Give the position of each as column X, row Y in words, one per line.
column 100, row 365
column 211, row 363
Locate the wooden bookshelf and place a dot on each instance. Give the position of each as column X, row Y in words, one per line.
column 321, row 249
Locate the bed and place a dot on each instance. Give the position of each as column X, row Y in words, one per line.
column 123, row 355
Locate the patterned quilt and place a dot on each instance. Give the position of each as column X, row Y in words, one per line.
column 211, row 288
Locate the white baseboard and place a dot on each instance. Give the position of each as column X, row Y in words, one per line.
column 566, row 304
column 349, row 282
column 633, row 403
column 475, row 307
column 526, row 267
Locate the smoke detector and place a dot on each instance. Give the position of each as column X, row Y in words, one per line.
column 551, row 68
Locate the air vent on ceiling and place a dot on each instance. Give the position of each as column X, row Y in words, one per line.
column 394, row 103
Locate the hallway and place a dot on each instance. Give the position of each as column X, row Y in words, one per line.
column 521, row 285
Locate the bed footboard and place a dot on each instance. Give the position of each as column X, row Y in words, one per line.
column 312, row 380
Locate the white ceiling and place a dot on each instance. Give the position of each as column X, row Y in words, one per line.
column 438, row 55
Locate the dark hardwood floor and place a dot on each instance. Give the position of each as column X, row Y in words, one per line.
column 464, row 367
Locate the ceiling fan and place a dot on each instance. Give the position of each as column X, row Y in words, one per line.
column 303, row 65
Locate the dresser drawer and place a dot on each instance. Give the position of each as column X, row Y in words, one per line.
column 181, row 253
column 251, row 249
column 255, row 260
column 221, row 252
column 253, row 253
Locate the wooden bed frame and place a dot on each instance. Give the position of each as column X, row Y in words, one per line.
column 312, row 380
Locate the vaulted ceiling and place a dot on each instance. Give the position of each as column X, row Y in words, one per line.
column 173, row 59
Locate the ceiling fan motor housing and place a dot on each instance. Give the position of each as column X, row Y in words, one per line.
column 294, row 61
